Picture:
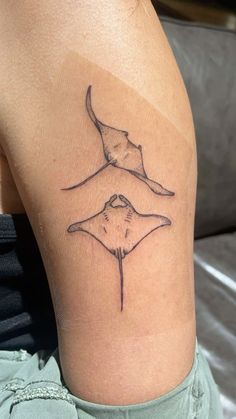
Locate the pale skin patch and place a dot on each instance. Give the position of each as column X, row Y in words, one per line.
column 89, row 149
column 119, row 152
column 73, row 140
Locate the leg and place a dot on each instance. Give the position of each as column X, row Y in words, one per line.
column 107, row 355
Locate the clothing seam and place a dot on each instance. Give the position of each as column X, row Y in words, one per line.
column 197, row 393
column 44, row 393
column 12, row 386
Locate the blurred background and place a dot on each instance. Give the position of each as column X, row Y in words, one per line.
column 215, row 12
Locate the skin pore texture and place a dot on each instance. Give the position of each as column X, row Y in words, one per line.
column 107, row 355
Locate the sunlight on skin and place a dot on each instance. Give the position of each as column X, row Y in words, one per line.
column 51, row 143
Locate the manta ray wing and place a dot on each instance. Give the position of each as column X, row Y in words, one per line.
column 156, row 187
column 141, row 226
column 95, row 227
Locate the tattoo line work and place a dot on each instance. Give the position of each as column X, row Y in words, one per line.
column 120, row 152
column 118, row 226
column 120, row 229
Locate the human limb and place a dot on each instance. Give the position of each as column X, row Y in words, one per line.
column 107, row 356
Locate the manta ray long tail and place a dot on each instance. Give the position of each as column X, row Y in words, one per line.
column 121, row 279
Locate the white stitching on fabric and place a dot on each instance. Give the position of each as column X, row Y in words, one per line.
column 42, row 393
column 12, row 386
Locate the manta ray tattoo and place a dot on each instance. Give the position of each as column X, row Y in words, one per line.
column 120, row 229
column 120, row 152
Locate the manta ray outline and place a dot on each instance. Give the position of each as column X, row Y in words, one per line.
column 120, row 229
column 120, row 152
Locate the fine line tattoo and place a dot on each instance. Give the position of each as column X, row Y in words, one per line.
column 120, row 229
column 118, row 226
column 119, row 152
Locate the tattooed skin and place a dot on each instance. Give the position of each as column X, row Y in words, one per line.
column 120, row 152
column 119, row 228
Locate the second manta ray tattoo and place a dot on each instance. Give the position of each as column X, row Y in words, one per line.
column 119, row 228
column 120, row 152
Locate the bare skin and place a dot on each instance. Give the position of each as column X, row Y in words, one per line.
column 51, row 51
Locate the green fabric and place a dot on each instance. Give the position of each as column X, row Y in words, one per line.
column 31, row 387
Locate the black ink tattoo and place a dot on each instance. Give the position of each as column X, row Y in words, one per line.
column 119, row 228
column 120, row 152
